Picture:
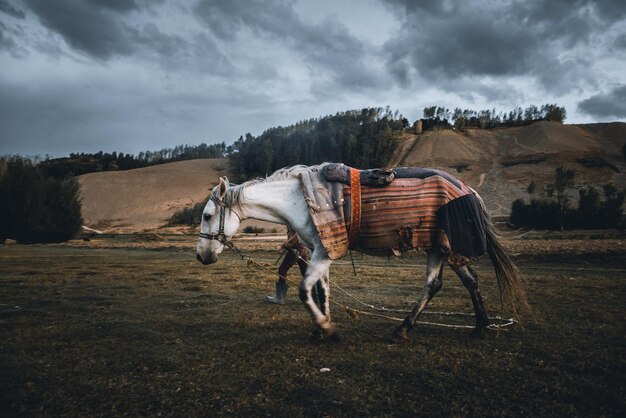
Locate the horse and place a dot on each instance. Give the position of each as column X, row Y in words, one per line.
column 279, row 198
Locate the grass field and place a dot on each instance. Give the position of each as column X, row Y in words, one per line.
column 135, row 331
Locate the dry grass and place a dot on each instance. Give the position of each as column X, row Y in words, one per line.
column 135, row 331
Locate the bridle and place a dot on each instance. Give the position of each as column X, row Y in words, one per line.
column 220, row 236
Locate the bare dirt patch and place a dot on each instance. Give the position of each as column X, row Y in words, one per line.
column 127, row 328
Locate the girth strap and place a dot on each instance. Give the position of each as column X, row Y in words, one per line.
column 355, row 198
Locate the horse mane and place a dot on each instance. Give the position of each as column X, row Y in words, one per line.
column 286, row 173
column 234, row 193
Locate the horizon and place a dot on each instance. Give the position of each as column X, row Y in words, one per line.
column 137, row 75
column 40, row 157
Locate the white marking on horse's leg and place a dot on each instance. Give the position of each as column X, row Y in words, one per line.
column 434, row 282
column 325, row 297
column 317, row 270
column 470, row 280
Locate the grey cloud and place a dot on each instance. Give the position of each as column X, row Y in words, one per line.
column 85, row 26
column 606, row 105
column 465, row 43
column 8, row 40
column 104, row 29
column 327, row 45
column 611, row 10
column 40, row 119
column 620, row 41
column 154, row 39
column 8, row 8
column 442, row 40
column 117, row 5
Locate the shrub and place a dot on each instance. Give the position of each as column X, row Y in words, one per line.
column 36, row 208
column 253, row 229
column 188, row 216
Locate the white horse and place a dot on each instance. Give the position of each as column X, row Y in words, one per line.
column 279, row 198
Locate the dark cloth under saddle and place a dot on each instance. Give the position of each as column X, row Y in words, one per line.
column 380, row 177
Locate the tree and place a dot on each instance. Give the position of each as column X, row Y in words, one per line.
column 36, row 208
column 429, row 112
column 589, row 207
column 553, row 112
column 612, row 206
column 563, row 179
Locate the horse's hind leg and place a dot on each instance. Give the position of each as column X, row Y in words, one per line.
column 470, row 281
column 434, row 282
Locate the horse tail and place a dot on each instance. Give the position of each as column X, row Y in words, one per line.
column 511, row 283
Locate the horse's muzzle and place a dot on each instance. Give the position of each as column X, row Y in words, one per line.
column 212, row 258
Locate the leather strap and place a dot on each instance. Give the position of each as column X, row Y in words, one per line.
column 355, row 198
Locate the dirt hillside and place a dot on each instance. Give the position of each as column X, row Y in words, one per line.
column 501, row 163
column 143, row 199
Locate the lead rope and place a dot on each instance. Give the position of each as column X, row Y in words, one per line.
column 353, row 313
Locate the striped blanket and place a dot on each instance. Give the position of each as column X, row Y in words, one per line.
column 409, row 213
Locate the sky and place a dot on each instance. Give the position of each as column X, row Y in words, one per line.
column 136, row 75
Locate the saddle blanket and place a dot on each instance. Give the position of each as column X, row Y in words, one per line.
column 408, row 213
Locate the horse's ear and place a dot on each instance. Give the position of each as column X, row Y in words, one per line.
column 223, row 187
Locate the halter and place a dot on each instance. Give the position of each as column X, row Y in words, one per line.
column 220, row 236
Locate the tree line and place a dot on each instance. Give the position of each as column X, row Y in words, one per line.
column 442, row 117
column 361, row 138
column 554, row 210
column 82, row 163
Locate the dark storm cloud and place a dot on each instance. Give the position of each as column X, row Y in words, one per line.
column 104, row 29
column 609, row 105
column 6, row 7
column 327, row 45
column 441, row 40
column 88, row 26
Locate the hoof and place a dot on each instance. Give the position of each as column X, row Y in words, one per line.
column 315, row 336
column 478, row 333
column 333, row 337
column 318, row 335
column 399, row 335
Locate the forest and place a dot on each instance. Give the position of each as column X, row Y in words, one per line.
column 361, row 138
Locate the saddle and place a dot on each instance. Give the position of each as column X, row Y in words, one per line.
column 376, row 177
column 381, row 177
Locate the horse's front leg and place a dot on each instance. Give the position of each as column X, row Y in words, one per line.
column 318, row 272
column 432, row 286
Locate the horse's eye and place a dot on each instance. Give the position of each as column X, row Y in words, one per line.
column 206, row 217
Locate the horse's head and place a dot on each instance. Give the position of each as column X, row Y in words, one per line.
column 219, row 223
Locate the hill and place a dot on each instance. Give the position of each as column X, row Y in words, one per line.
column 145, row 198
column 501, row 163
